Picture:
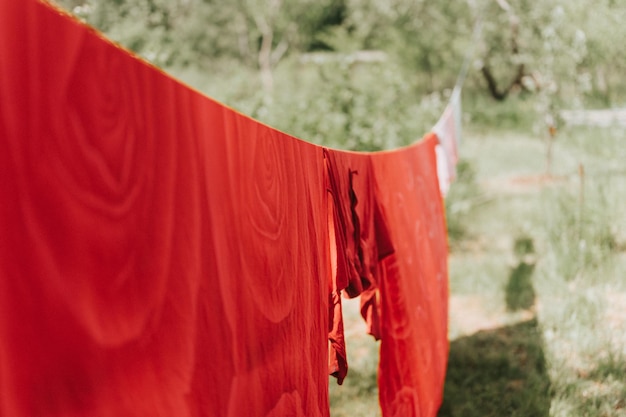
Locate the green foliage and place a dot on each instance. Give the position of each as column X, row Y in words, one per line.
column 337, row 102
column 355, row 106
column 552, row 54
column 196, row 32
column 581, row 233
column 554, row 41
column 612, row 366
column 463, row 197
column 600, row 391
column 518, row 113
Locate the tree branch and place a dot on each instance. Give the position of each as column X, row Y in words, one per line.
column 492, row 85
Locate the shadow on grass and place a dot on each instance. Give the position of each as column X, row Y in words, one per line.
column 499, row 372
column 519, row 292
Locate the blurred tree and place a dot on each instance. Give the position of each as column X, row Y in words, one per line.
column 556, row 51
column 275, row 26
column 562, row 48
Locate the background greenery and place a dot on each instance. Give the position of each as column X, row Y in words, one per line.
column 536, row 222
column 372, row 74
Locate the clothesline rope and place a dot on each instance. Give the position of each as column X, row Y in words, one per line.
column 469, row 55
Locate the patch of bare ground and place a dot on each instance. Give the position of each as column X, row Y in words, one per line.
column 468, row 315
column 524, row 183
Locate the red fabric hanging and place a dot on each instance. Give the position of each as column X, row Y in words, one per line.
column 160, row 254
column 271, row 243
column 361, row 239
column 413, row 282
column 359, row 225
column 391, row 227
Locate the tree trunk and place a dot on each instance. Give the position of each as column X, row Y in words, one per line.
column 520, row 71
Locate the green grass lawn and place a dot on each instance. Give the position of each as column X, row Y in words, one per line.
column 537, row 278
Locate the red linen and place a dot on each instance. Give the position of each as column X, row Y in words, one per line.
column 413, row 283
column 163, row 255
column 361, row 239
column 269, row 231
column 160, row 254
column 390, row 223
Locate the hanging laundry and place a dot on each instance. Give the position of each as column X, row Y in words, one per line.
column 392, row 225
column 413, row 283
column 160, row 254
column 448, row 131
column 361, row 238
column 337, row 355
column 359, row 222
column 269, row 226
column 443, row 171
column 164, row 255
